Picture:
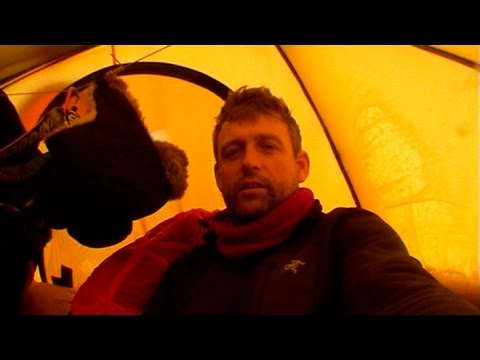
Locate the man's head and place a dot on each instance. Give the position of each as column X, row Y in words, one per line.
column 258, row 152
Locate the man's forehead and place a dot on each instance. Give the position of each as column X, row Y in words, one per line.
column 254, row 136
column 252, row 124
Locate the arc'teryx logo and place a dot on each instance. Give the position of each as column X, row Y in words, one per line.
column 293, row 265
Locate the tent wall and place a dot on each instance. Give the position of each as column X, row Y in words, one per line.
column 405, row 124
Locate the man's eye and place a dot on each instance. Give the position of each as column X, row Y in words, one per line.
column 230, row 153
column 268, row 147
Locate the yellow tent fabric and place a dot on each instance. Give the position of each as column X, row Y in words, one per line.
column 393, row 129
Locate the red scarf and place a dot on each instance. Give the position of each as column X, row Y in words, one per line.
column 237, row 241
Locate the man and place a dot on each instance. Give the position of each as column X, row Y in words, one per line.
column 273, row 250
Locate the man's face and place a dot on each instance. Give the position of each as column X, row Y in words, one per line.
column 256, row 167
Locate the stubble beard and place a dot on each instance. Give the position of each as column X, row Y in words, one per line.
column 247, row 208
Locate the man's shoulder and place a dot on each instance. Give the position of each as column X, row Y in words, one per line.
column 351, row 212
column 355, row 220
column 360, row 226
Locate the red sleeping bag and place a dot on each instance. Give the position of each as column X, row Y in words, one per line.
column 124, row 282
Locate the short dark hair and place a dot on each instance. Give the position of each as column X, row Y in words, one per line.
column 247, row 103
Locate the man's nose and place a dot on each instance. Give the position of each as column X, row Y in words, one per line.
column 251, row 158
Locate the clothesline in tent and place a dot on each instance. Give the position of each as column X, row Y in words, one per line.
column 117, row 71
column 51, row 120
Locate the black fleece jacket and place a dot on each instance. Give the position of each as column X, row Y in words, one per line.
column 348, row 261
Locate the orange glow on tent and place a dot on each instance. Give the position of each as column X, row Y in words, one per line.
column 394, row 128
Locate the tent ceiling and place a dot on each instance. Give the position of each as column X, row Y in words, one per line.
column 18, row 59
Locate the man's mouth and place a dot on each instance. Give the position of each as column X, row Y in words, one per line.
column 251, row 185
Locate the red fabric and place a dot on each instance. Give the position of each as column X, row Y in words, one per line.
column 124, row 281
column 268, row 231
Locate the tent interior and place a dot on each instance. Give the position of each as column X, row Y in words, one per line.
column 392, row 129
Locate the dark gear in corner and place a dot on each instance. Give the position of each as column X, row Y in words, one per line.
column 23, row 233
column 104, row 171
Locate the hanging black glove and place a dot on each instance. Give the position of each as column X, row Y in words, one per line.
column 105, row 170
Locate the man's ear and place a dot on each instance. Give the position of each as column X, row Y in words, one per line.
column 216, row 169
column 303, row 166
